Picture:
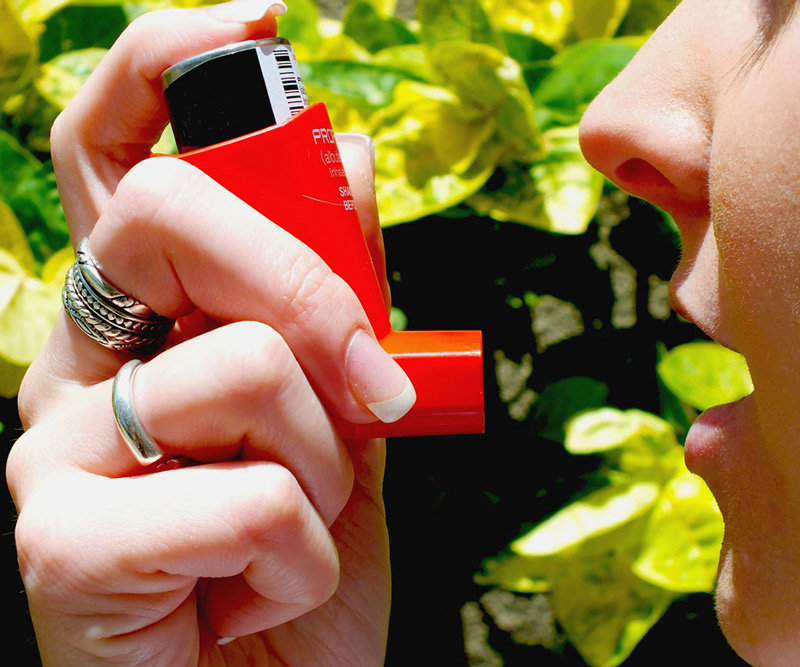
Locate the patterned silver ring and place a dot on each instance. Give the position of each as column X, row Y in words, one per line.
column 106, row 315
column 142, row 445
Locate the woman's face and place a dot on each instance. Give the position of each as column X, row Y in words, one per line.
column 705, row 122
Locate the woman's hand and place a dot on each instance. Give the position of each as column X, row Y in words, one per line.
column 283, row 548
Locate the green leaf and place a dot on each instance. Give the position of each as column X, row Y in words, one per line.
column 575, row 77
column 17, row 165
column 456, row 20
column 363, row 85
column 705, row 374
column 373, row 30
column 300, row 24
column 81, row 27
column 409, row 58
column 561, row 400
column 526, row 49
column 598, row 513
column 29, row 188
column 644, row 16
column 683, row 538
column 18, row 51
column 560, row 192
column 398, row 319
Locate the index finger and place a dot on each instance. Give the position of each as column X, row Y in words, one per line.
column 120, row 113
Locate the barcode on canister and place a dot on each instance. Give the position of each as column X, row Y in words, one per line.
column 287, row 95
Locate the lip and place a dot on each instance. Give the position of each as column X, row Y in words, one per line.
column 686, row 309
column 715, row 432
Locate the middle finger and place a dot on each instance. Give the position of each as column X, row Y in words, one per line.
column 234, row 391
column 176, row 240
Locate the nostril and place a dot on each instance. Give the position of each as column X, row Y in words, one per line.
column 639, row 175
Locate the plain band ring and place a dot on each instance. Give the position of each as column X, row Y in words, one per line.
column 142, row 445
column 108, row 316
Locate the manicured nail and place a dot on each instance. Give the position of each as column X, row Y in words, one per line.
column 362, row 141
column 376, row 380
column 246, row 11
column 225, row 640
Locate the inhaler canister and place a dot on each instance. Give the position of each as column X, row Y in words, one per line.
column 240, row 114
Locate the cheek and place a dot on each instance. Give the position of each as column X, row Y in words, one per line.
column 755, row 205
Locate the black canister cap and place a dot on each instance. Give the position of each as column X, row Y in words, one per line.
column 223, row 94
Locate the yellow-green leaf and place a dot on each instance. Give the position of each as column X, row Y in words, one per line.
column 456, row 20
column 704, row 374
column 37, row 11
column 490, row 84
column 429, row 157
column 608, row 428
column 605, row 609
column 683, row 538
column 13, row 239
column 518, row 573
column 18, row 51
column 600, row 512
column 63, row 76
column 546, row 20
column 55, row 269
column 28, row 308
column 598, row 18
column 559, row 193
column 570, row 187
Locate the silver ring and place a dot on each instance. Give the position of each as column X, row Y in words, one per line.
column 142, row 445
column 106, row 315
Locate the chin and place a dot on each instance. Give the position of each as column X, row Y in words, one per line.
column 753, row 615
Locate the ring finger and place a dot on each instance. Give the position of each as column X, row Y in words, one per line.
column 234, row 391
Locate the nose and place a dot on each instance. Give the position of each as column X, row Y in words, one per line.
column 648, row 131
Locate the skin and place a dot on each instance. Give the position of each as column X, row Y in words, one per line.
column 703, row 123
column 285, row 547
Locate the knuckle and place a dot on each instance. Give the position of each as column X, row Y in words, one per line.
column 46, row 550
column 28, row 398
column 15, row 463
column 284, row 505
column 309, row 288
column 145, row 192
column 256, row 362
column 60, row 134
column 142, row 28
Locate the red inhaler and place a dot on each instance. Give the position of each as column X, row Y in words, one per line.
column 240, row 114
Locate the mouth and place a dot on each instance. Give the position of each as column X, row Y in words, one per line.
column 704, row 315
column 716, row 429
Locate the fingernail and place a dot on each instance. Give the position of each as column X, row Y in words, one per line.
column 362, row 141
column 246, row 11
column 225, row 640
column 376, row 380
